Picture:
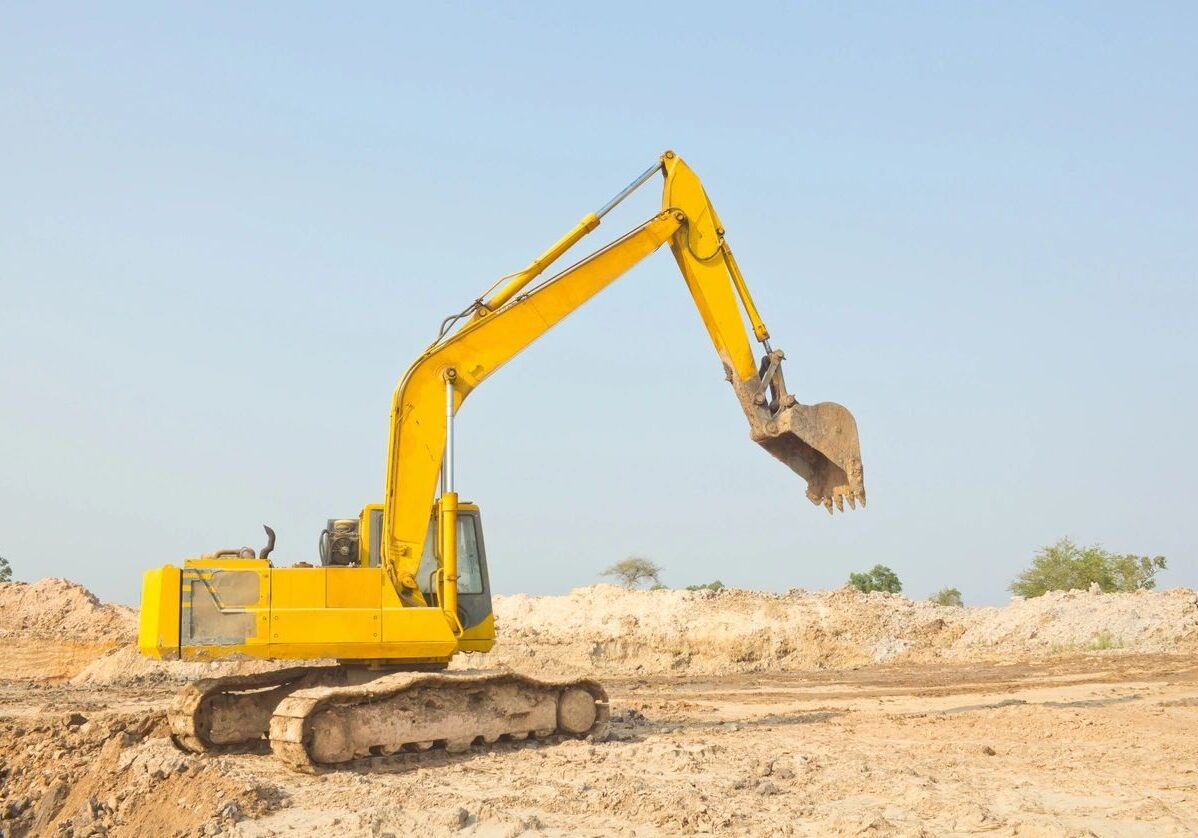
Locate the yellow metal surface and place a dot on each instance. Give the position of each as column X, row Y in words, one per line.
column 698, row 249
column 226, row 563
column 158, row 622
column 519, row 280
column 302, row 587
column 318, row 625
column 366, row 532
column 303, row 613
column 345, row 587
column 479, row 638
column 448, row 593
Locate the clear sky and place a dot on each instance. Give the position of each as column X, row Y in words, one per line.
column 226, row 230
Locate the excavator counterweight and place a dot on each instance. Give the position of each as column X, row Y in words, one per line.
column 404, row 587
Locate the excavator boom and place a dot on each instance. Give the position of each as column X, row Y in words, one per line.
column 819, row 442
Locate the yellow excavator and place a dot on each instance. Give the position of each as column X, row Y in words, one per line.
column 404, row 587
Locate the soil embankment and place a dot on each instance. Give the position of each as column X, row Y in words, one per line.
column 55, row 629
column 733, row 712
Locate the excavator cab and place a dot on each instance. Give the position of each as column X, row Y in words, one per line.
column 474, row 583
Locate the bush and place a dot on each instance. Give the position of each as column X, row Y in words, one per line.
column 948, row 596
column 1064, row 566
column 633, row 570
column 879, row 578
column 717, row 585
column 5, row 570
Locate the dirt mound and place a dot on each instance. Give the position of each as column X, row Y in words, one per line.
column 112, row 773
column 609, row 630
column 58, row 608
column 54, row 628
column 125, row 664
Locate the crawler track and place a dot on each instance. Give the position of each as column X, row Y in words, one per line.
column 407, row 718
column 232, row 714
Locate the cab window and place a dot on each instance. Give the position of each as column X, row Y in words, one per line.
column 470, row 574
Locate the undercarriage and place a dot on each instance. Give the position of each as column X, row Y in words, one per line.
column 321, row 718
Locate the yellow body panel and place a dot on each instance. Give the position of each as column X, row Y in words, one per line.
column 478, row 638
column 345, row 587
column 366, row 533
column 298, row 614
column 158, row 623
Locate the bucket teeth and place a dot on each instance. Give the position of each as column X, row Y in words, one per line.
column 838, row 498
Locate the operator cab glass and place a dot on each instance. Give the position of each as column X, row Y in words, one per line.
column 474, row 588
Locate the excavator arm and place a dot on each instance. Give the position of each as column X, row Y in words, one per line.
column 819, row 442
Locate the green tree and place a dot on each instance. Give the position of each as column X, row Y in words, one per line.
column 5, row 570
column 633, row 570
column 947, row 596
column 717, row 585
column 879, row 578
column 1064, row 566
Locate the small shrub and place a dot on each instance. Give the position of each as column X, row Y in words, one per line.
column 1064, row 566
column 1103, row 641
column 5, row 570
column 879, row 578
column 633, row 570
column 717, row 585
column 948, row 596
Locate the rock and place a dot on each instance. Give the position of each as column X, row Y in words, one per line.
column 74, row 719
column 456, row 818
column 47, row 808
column 231, row 811
column 85, row 816
column 988, row 751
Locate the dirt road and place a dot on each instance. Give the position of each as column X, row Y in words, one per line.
column 1105, row 744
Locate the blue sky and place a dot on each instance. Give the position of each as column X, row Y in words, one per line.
column 225, row 231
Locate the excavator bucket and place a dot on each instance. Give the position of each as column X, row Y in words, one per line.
column 819, row 443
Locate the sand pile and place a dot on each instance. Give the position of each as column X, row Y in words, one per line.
column 58, row 608
column 605, row 629
column 127, row 664
column 55, row 629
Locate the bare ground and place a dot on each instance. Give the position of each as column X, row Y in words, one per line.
column 1097, row 744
